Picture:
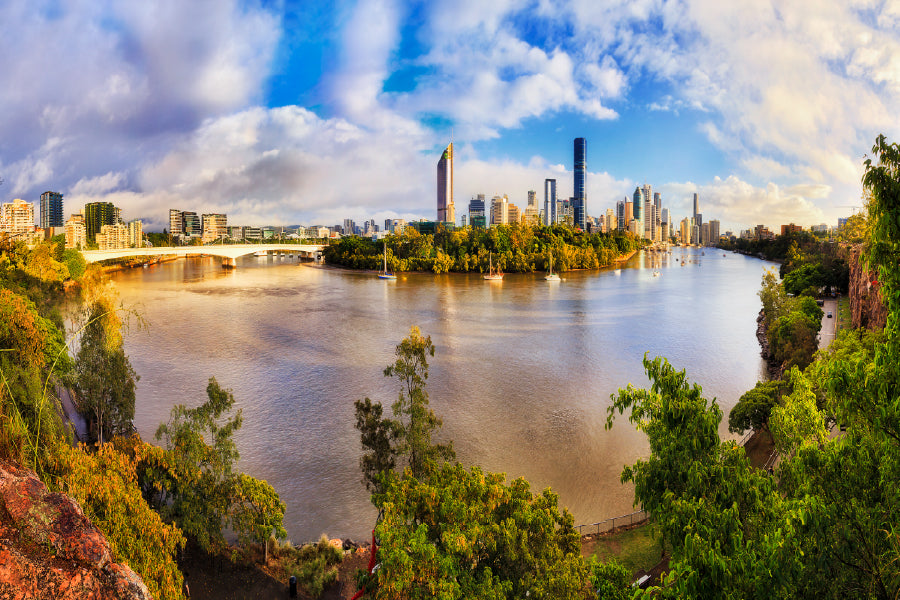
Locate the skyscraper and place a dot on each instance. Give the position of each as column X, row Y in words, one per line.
column 549, row 201
column 176, row 223
column 696, row 205
column 98, row 214
column 580, row 196
column 637, row 209
column 446, row 211
column 51, row 210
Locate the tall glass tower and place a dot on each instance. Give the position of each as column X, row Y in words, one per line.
column 446, row 211
column 549, row 201
column 51, row 210
column 580, row 196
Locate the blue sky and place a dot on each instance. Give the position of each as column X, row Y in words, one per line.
column 310, row 112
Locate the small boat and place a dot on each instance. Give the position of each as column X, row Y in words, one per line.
column 551, row 276
column 385, row 274
column 492, row 275
column 656, row 273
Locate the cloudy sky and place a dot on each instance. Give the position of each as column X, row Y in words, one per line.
column 310, row 112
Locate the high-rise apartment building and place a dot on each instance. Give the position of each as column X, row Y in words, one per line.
column 17, row 217
column 214, row 226
column 549, row 201
column 135, row 234
column 513, row 214
column 112, row 237
column 696, row 205
column 193, row 226
column 579, row 198
column 532, row 198
column 446, row 211
column 98, row 214
column 76, row 234
column 176, row 223
column 51, row 210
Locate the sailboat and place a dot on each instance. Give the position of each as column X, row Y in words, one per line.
column 385, row 274
column 551, row 276
column 493, row 275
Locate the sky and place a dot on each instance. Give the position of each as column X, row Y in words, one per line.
column 285, row 113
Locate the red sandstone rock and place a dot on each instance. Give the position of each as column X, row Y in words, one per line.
column 866, row 307
column 49, row 549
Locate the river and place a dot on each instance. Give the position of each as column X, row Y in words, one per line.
column 522, row 373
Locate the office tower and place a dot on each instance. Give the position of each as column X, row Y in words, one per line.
column 713, row 232
column 611, row 222
column 637, row 205
column 446, row 211
column 98, row 214
column 349, row 227
column 704, row 234
column 532, row 198
column 513, row 214
column 76, row 234
column 549, row 201
column 696, row 205
column 51, row 210
column 499, row 210
column 685, row 231
column 579, row 198
column 476, row 206
column 620, row 214
column 629, row 212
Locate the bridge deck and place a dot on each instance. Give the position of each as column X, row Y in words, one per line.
column 230, row 251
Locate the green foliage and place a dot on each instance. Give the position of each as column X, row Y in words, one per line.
column 103, row 376
column 729, row 529
column 515, row 248
column 74, row 262
column 809, row 275
column 193, row 483
column 404, row 440
column 798, row 421
column 610, row 581
column 754, row 407
column 465, row 534
column 792, row 323
column 31, row 348
column 105, row 485
column 314, row 565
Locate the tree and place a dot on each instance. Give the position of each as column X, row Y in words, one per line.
column 754, row 407
column 464, row 533
column 193, row 482
column 104, row 379
column 404, row 440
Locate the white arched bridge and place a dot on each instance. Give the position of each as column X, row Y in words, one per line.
column 227, row 252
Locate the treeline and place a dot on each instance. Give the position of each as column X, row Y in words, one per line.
column 512, row 248
column 808, row 263
column 147, row 500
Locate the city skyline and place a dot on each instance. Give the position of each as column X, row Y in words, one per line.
column 306, row 113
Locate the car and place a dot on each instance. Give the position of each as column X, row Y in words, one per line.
column 829, row 315
column 820, row 303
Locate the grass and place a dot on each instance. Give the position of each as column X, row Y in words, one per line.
column 635, row 548
column 843, row 313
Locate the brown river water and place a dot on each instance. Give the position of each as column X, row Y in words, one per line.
column 522, row 374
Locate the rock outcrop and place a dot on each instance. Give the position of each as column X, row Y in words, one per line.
column 866, row 307
column 49, row 549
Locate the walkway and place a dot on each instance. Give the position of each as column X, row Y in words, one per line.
column 71, row 414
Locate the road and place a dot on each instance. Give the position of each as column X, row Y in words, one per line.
column 826, row 334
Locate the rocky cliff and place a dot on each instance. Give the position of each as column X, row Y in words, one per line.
column 866, row 308
column 49, row 549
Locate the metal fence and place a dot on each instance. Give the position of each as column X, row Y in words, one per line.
column 610, row 524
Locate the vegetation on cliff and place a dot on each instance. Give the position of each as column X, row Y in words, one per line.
column 511, row 248
column 113, row 479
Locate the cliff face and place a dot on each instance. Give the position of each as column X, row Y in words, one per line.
column 49, row 549
column 867, row 309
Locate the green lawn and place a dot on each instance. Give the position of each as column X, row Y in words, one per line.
column 636, row 548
